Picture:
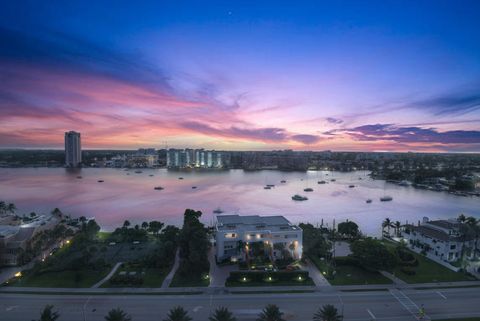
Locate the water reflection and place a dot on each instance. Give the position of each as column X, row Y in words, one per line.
column 130, row 195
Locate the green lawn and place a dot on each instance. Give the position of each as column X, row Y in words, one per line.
column 189, row 281
column 63, row 279
column 351, row 275
column 154, row 278
column 428, row 271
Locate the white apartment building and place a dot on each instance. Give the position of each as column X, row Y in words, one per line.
column 73, row 149
column 234, row 234
column 442, row 239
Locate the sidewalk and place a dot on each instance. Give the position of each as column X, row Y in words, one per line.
column 392, row 277
column 262, row 289
column 315, row 274
column 109, row 275
column 168, row 279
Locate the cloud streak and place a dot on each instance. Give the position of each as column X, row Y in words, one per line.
column 390, row 132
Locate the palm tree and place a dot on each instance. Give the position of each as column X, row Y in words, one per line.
column 398, row 225
column 474, row 226
column 3, row 207
column 386, row 224
column 270, row 313
column 126, row 223
column 327, row 313
column 222, row 314
column 11, row 208
column 117, row 315
column 48, row 314
column 178, row 314
column 461, row 218
column 144, row 225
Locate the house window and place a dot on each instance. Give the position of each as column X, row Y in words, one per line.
column 453, row 247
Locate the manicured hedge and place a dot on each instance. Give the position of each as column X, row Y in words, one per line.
column 260, row 277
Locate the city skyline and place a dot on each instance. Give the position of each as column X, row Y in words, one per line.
column 349, row 77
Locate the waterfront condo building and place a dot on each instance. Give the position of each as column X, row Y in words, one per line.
column 235, row 236
column 73, row 149
column 441, row 239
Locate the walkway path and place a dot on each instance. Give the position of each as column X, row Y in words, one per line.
column 315, row 274
column 218, row 274
column 168, row 279
column 109, row 275
column 392, row 277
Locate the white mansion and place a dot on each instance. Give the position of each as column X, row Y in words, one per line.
column 443, row 239
column 234, row 234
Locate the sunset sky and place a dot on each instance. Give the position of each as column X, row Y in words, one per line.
column 242, row 75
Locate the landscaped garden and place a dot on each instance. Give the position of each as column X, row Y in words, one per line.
column 90, row 255
column 416, row 268
column 262, row 278
column 369, row 256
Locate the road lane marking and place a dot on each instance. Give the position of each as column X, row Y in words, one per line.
column 10, row 308
column 408, row 304
column 371, row 314
column 440, row 294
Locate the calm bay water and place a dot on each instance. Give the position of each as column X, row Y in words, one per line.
column 132, row 196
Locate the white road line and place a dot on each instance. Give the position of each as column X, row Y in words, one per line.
column 440, row 294
column 408, row 304
column 371, row 314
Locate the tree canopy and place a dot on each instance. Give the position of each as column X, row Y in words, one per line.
column 373, row 254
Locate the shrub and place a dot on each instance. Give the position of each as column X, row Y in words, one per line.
column 408, row 271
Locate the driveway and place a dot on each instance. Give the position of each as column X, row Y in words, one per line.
column 218, row 274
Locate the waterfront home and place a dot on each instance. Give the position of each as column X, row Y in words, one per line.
column 235, row 235
column 444, row 239
column 14, row 239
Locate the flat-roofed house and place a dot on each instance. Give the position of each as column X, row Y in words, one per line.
column 234, row 234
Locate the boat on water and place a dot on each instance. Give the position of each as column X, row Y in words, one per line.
column 138, row 171
column 180, row 177
column 151, row 175
column 297, row 197
column 100, row 181
column 218, row 210
column 271, row 185
column 351, row 186
column 321, row 182
column 368, row 201
column 158, row 188
column 386, row 198
column 194, row 187
column 404, row 183
column 79, row 177
column 333, row 180
column 283, row 181
column 267, row 187
column 308, row 189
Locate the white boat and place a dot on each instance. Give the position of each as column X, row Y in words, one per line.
column 297, row 197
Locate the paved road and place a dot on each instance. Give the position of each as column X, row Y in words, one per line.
column 362, row 306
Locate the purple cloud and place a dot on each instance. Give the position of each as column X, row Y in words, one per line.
column 390, row 132
column 306, row 139
column 333, row 120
